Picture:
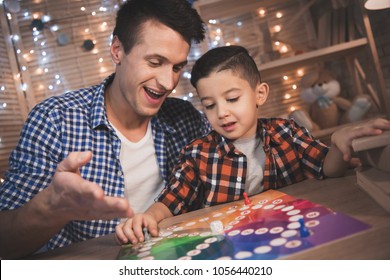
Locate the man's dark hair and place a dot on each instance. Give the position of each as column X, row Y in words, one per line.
column 234, row 58
column 176, row 14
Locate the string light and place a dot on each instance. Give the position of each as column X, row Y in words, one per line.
column 277, row 28
column 300, row 72
column 261, row 12
column 187, row 75
column 283, row 49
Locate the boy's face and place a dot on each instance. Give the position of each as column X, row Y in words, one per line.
column 230, row 103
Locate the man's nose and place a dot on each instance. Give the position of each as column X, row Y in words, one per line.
column 168, row 79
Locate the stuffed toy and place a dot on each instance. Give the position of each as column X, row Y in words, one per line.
column 327, row 108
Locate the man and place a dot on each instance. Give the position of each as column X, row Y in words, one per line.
column 80, row 153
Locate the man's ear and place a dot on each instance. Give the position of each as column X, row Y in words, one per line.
column 116, row 50
column 262, row 90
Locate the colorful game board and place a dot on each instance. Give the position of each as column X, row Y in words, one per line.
column 273, row 226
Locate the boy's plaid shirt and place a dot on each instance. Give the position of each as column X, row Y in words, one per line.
column 212, row 171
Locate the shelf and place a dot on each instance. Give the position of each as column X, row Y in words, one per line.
column 284, row 64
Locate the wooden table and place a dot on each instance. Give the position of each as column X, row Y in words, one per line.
column 339, row 194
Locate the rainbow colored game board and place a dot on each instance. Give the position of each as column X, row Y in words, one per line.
column 269, row 228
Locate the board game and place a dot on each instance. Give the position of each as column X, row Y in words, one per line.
column 271, row 225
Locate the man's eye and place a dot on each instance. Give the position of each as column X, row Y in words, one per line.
column 154, row 63
column 177, row 69
column 232, row 100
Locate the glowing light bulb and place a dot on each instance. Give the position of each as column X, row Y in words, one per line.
column 261, row 12
column 284, row 49
column 277, row 28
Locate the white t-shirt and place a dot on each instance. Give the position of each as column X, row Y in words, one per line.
column 253, row 149
column 143, row 181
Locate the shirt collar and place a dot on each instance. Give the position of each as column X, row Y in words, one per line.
column 269, row 136
column 160, row 120
column 99, row 114
column 268, row 133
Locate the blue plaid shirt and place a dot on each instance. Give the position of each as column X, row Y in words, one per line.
column 77, row 121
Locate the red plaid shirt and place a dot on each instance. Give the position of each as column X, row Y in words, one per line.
column 211, row 171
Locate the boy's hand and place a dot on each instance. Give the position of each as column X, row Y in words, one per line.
column 131, row 230
column 342, row 139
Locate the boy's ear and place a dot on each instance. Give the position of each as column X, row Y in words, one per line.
column 262, row 90
column 116, row 50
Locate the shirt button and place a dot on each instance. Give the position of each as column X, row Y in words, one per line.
column 239, row 179
column 120, row 173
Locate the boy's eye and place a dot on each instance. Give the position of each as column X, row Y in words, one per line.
column 209, row 106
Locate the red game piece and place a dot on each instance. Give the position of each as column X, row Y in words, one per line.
column 247, row 200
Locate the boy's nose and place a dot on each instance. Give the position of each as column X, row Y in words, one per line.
column 223, row 112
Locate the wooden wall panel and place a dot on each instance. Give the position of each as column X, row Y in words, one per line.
column 11, row 118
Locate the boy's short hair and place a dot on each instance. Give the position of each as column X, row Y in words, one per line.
column 176, row 14
column 234, row 58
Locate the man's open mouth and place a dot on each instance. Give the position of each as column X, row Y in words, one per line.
column 153, row 94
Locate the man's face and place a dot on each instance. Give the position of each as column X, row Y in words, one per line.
column 151, row 70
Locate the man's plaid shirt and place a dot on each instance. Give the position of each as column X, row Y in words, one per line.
column 212, row 171
column 77, row 121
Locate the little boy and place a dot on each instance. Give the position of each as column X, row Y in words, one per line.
column 242, row 153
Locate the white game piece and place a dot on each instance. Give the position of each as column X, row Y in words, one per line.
column 147, row 236
column 216, row 227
